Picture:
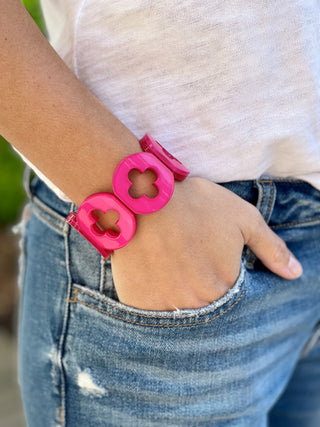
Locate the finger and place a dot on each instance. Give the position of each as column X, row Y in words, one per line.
column 270, row 249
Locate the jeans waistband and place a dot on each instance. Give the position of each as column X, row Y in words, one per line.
column 279, row 200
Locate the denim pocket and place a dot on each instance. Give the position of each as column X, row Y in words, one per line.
column 88, row 290
column 106, row 306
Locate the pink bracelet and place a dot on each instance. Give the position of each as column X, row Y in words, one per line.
column 166, row 167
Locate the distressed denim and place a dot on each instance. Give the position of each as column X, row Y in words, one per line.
column 252, row 358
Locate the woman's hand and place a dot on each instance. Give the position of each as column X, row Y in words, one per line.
column 188, row 254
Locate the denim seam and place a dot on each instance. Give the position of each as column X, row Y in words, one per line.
column 26, row 181
column 159, row 326
column 252, row 257
column 48, row 210
column 263, row 182
column 270, row 203
column 46, row 220
column 77, row 290
column 102, row 274
column 313, row 341
column 75, row 300
column 62, row 407
column 286, row 224
column 251, row 263
column 268, row 181
column 298, row 181
column 263, row 195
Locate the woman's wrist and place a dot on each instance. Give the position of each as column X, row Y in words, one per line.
column 143, row 183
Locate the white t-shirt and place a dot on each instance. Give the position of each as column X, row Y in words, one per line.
column 231, row 88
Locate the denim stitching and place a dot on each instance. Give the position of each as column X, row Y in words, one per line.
column 47, row 220
column 64, row 325
column 263, row 195
column 312, row 342
column 270, row 202
column 102, row 274
column 186, row 316
column 75, row 300
column 48, row 210
column 263, row 182
column 268, row 181
column 286, row 224
column 252, row 257
column 298, row 181
column 160, row 326
column 251, row 263
column 26, row 181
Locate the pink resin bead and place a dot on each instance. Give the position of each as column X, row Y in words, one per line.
column 164, row 183
column 156, row 158
column 148, row 144
column 85, row 223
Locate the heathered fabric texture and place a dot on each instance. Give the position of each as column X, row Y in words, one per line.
column 230, row 88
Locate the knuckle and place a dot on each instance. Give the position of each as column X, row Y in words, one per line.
column 258, row 223
column 253, row 226
column 254, row 216
column 259, row 220
column 280, row 251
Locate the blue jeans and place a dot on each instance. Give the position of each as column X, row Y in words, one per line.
column 251, row 358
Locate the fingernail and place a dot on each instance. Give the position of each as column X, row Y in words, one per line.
column 294, row 266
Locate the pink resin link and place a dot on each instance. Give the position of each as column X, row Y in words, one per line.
column 156, row 158
column 150, row 145
column 85, row 222
column 164, row 183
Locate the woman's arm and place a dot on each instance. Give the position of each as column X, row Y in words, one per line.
column 187, row 254
column 50, row 116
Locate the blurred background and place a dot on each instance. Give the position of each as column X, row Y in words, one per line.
column 12, row 200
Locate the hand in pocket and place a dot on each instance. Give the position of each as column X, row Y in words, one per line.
column 188, row 254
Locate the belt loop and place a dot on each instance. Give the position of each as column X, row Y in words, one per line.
column 26, row 181
column 267, row 193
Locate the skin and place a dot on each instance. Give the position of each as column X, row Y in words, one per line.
column 184, row 256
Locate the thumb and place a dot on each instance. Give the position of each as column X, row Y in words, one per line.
column 270, row 249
